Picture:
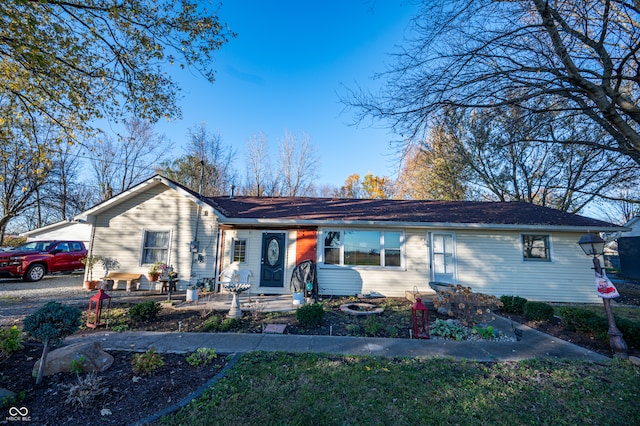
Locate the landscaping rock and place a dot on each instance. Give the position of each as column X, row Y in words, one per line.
column 59, row 360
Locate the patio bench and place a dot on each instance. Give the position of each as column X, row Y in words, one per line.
column 130, row 278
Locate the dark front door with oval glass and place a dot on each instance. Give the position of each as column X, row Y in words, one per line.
column 272, row 268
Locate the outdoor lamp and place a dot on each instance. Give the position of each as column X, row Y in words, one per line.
column 593, row 245
column 95, row 308
column 420, row 320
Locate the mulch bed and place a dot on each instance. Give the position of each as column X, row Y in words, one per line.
column 128, row 397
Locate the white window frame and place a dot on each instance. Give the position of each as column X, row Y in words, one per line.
column 434, row 276
column 233, row 250
column 143, row 248
column 549, row 248
column 341, row 263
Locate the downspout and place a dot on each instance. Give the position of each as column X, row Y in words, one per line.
column 217, row 266
column 194, row 254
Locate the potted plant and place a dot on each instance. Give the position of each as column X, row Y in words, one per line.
column 154, row 271
column 89, row 262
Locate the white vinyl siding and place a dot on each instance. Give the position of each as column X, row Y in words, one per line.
column 118, row 234
column 488, row 261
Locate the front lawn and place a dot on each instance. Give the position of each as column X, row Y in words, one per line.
column 311, row 389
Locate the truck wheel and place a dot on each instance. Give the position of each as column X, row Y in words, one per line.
column 34, row 272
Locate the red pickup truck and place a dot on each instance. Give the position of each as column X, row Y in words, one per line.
column 33, row 260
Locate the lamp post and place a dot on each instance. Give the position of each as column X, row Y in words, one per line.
column 593, row 245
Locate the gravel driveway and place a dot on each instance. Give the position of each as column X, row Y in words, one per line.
column 19, row 298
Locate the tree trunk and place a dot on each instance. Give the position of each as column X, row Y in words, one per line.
column 43, row 360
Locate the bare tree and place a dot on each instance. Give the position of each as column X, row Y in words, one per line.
column 261, row 179
column 206, row 167
column 502, row 158
column 576, row 58
column 296, row 170
column 298, row 162
column 120, row 164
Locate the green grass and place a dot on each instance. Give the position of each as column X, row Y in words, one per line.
column 311, row 389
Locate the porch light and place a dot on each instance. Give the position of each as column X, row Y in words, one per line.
column 593, row 245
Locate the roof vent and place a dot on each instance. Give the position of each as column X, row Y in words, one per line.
column 233, row 190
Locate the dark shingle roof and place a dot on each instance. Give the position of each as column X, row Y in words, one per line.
column 406, row 211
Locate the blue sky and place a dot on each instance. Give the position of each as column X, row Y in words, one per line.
column 285, row 71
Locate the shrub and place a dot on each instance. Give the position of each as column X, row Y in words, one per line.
column 630, row 331
column 201, row 357
column 77, row 365
column 85, row 390
column 229, row 324
column 310, row 315
column 538, row 311
column 10, row 341
column 212, row 323
column 588, row 321
column 466, row 306
column 51, row 324
column 372, row 325
column 576, row 319
column 145, row 311
column 217, row 323
column 146, row 363
column 353, row 329
column 485, row 332
column 392, row 331
column 447, row 329
column 513, row 304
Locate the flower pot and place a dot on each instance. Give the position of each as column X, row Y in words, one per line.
column 153, row 277
column 298, row 298
column 192, row 295
column 90, row 285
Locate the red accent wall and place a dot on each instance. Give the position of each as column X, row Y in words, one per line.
column 306, row 241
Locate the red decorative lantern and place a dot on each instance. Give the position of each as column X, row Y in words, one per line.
column 420, row 320
column 95, row 308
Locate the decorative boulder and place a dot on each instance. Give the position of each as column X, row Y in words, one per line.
column 90, row 355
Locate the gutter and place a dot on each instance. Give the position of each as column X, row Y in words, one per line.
column 256, row 223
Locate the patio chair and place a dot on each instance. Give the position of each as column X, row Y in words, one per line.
column 226, row 277
column 244, row 276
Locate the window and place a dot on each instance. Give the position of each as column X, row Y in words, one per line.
column 536, row 247
column 155, row 247
column 362, row 248
column 239, row 251
column 443, row 259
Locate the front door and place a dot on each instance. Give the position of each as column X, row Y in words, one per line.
column 272, row 263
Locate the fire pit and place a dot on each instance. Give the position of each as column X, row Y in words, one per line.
column 236, row 289
column 361, row 309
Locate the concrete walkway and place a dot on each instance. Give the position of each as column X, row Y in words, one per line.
column 533, row 344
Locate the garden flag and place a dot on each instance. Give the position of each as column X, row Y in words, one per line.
column 605, row 287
